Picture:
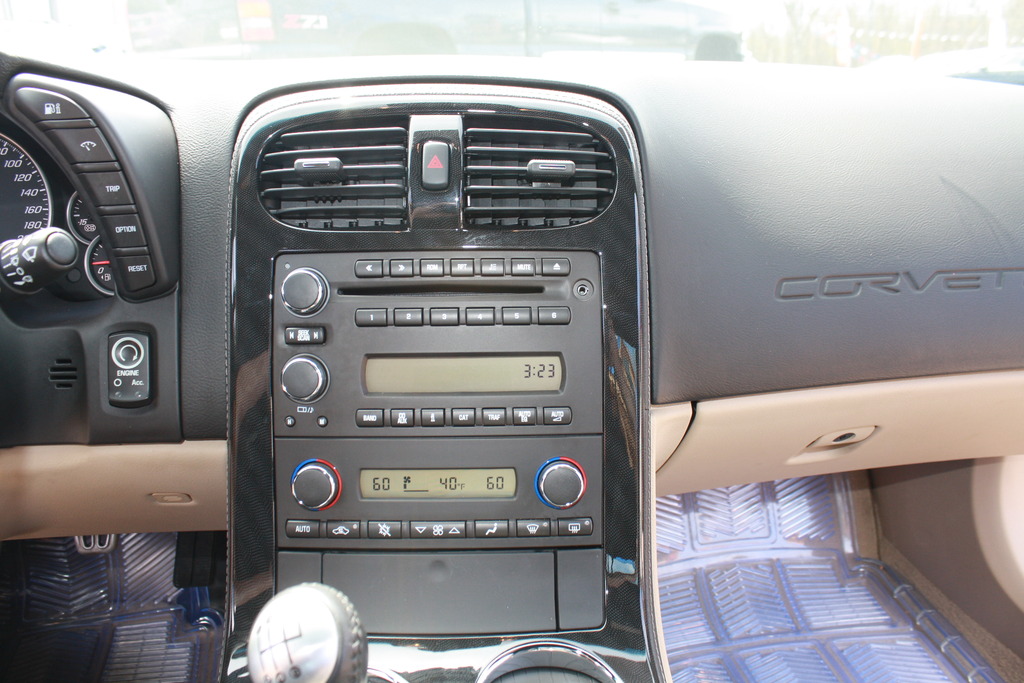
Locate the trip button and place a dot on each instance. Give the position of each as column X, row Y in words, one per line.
column 82, row 145
column 553, row 315
column 491, row 528
column 463, row 417
column 136, row 272
column 342, row 530
column 301, row 528
column 580, row 526
column 125, row 231
column 369, row 269
column 370, row 418
column 383, row 529
column 107, row 189
column 533, row 527
column 437, row 530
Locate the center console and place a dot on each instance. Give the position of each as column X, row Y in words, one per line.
column 439, row 376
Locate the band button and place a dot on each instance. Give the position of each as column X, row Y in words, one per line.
column 370, row 418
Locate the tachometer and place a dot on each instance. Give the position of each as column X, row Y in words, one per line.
column 24, row 195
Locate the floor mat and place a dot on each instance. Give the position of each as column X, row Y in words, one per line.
column 762, row 582
column 112, row 617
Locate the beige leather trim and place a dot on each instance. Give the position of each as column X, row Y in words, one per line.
column 997, row 496
column 668, row 427
column 898, row 422
column 78, row 490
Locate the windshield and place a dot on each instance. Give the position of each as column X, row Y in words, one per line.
column 942, row 36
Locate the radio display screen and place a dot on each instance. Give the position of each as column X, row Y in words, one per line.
column 437, row 484
column 447, row 374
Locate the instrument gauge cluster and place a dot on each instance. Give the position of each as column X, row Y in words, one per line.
column 35, row 194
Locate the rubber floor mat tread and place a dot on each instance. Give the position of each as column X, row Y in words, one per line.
column 107, row 617
column 762, row 583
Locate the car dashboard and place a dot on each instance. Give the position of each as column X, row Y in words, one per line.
column 438, row 334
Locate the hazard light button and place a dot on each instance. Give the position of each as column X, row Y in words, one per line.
column 435, row 165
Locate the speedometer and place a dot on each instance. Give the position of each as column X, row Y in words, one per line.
column 24, row 196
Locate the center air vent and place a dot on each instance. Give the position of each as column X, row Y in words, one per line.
column 337, row 178
column 529, row 173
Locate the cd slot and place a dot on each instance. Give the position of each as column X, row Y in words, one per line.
column 440, row 289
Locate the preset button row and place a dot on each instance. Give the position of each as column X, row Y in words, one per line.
column 438, row 530
column 464, row 417
column 462, row 267
column 450, row 317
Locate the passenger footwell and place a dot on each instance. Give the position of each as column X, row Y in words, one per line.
column 762, row 582
column 66, row 616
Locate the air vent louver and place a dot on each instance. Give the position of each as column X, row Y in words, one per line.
column 528, row 173
column 335, row 178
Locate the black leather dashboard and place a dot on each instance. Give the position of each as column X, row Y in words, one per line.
column 807, row 226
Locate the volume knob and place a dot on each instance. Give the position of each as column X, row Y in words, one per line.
column 304, row 379
column 305, row 292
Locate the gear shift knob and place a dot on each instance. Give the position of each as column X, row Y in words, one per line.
column 308, row 633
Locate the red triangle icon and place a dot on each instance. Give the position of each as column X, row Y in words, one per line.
column 435, row 163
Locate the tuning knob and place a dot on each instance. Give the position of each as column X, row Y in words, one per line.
column 304, row 379
column 33, row 261
column 316, row 485
column 560, row 483
column 305, row 292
